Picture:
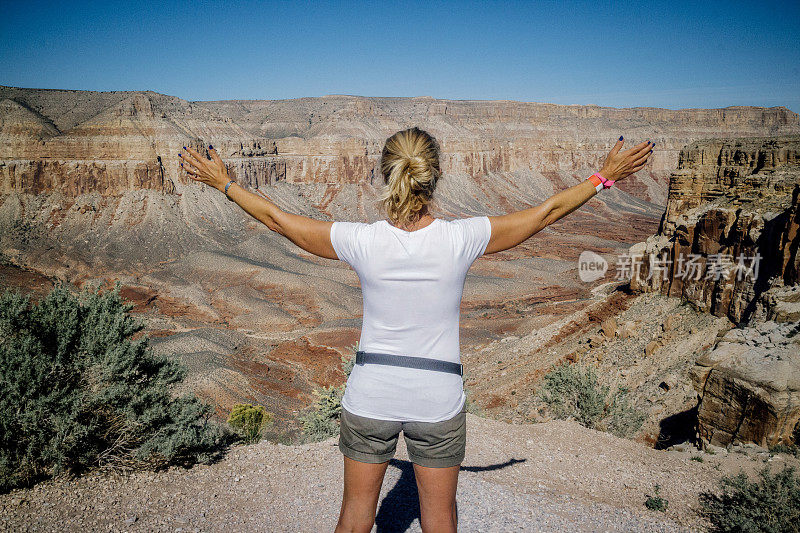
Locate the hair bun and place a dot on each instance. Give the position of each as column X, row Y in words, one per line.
column 410, row 167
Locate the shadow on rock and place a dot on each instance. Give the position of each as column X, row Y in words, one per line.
column 677, row 428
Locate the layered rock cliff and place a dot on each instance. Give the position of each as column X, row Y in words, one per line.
column 109, row 142
column 90, row 189
column 728, row 243
column 731, row 227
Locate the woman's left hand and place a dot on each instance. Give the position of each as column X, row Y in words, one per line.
column 209, row 171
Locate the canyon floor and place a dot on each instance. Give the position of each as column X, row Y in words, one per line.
column 275, row 326
column 552, row 476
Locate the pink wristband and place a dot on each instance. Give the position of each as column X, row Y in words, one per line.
column 606, row 183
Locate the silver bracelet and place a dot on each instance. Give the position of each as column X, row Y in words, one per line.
column 226, row 190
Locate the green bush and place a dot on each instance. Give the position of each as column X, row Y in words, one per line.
column 249, row 420
column 656, row 502
column 623, row 420
column 573, row 391
column 76, row 391
column 790, row 449
column 771, row 505
column 321, row 420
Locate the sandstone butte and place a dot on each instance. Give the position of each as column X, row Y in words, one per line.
column 90, row 189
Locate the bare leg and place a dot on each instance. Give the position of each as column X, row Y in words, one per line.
column 362, row 487
column 437, row 497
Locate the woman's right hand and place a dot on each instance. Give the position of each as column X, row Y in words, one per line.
column 620, row 165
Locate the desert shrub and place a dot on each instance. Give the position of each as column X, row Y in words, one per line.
column 321, row 420
column 791, row 449
column 623, row 419
column 249, row 421
column 769, row 505
column 655, row 502
column 348, row 361
column 573, row 391
column 76, row 391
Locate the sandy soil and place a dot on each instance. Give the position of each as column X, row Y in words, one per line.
column 551, row 476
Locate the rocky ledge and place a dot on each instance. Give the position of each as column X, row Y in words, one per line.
column 749, row 386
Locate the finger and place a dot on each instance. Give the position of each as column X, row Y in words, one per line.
column 188, row 166
column 217, row 159
column 618, row 146
column 195, row 153
column 189, row 169
column 192, row 173
column 190, row 158
column 637, row 168
column 642, row 159
column 636, row 149
column 214, row 155
column 197, row 158
column 195, row 174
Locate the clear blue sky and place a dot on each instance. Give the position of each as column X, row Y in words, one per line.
column 663, row 54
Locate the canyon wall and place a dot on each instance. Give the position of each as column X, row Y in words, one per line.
column 111, row 142
column 730, row 231
column 728, row 244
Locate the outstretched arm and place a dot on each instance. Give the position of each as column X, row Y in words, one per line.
column 514, row 228
column 311, row 235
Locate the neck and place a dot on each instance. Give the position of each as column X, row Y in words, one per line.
column 423, row 219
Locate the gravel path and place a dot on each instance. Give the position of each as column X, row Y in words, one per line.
column 551, row 476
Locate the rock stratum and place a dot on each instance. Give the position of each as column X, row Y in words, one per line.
column 731, row 228
column 110, row 142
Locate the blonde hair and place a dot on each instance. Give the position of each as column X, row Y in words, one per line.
column 410, row 168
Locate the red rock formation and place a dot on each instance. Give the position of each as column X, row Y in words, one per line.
column 728, row 201
column 735, row 199
column 108, row 200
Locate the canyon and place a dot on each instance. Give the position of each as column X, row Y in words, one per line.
column 91, row 192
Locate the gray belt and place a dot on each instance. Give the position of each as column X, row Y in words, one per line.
column 425, row 363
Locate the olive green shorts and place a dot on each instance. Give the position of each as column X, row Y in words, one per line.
column 432, row 444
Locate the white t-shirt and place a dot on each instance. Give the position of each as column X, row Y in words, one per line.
column 411, row 283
